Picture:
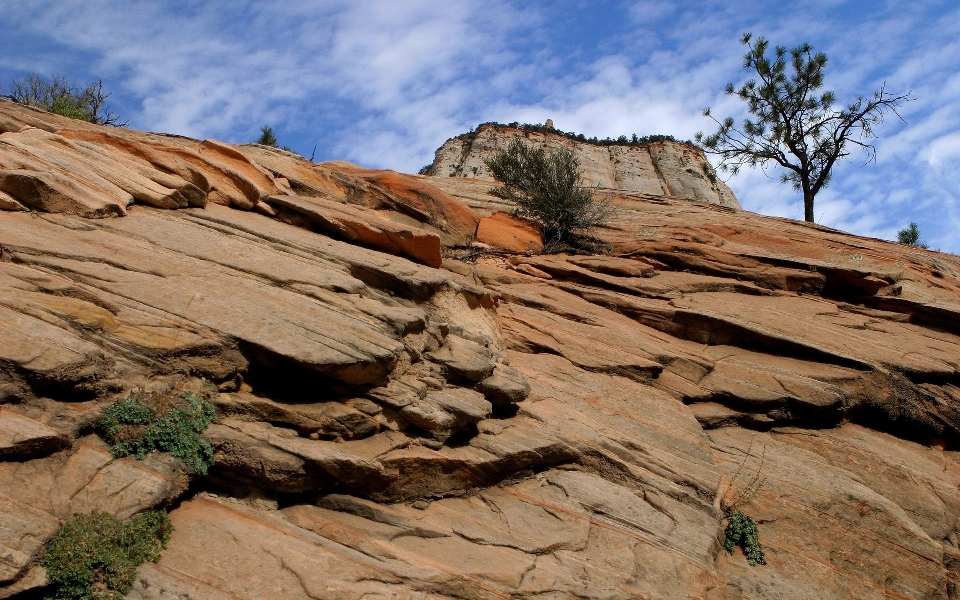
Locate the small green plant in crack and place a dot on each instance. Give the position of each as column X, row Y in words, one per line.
column 742, row 531
column 744, row 486
column 136, row 426
column 95, row 556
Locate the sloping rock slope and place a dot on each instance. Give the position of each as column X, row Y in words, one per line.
column 508, row 425
column 666, row 168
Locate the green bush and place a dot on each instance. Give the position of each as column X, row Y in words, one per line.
column 95, row 557
column 742, row 531
column 546, row 188
column 133, row 426
column 910, row 235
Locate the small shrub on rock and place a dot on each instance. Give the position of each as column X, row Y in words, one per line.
column 135, row 426
column 910, row 235
column 95, row 556
column 742, row 531
column 547, row 188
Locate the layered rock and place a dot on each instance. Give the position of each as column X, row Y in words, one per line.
column 56, row 165
column 665, row 168
column 510, row 425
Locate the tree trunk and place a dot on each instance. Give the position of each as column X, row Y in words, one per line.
column 807, row 205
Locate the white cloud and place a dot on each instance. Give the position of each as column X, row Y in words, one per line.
column 207, row 69
column 943, row 152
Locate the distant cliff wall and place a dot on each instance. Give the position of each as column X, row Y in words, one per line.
column 665, row 168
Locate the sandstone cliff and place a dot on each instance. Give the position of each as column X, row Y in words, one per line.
column 664, row 168
column 508, row 425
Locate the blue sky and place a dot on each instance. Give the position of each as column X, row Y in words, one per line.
column 384, row 82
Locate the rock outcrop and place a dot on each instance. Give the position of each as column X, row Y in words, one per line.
column 664, row 168
column 508, row 425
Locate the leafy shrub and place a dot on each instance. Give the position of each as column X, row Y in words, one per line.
column 133, row 426
column 95, row 557
column 546, row 188
column 910, row 235
column 742, row 531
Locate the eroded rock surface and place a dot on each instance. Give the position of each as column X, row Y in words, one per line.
column 510, row 425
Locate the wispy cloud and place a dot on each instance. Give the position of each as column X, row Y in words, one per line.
column 221, row 68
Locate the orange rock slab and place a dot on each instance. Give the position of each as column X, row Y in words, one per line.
column 365, row 227
column 419, row 199
column 506, row 232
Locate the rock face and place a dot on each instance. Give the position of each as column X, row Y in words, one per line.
column 667, row 168
column 509, row 425
column 507, row 232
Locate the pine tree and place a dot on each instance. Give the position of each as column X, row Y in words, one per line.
column 794, row 125
column 267, row 138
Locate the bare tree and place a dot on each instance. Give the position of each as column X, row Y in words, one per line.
column 59, row 96
column 96, row 98
column 794, row 125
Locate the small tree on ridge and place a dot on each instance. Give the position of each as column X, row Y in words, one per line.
column 267, row 137
column 910, row 235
